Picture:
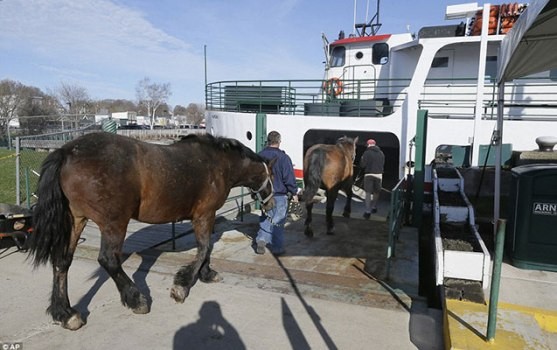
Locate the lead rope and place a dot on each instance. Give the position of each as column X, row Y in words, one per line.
column 269, row 196
column 267, row 180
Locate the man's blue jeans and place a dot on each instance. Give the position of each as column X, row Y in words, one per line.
column 271, row 225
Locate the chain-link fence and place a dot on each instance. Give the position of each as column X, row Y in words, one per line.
column 30, row 151
column 7, row 176
column 20, row 166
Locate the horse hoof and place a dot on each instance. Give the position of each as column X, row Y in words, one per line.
column 308, row 233
column 212, row 277
column 179, row 293
column 141, row 310
column 143, row 307
column 330, row 233
column 73, row 323
column 346, row 214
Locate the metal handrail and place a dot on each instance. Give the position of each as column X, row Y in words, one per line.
column 444, row 98
column 396, row 214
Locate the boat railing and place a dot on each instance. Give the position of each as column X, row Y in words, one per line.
column 358, row 97
column 525, row 99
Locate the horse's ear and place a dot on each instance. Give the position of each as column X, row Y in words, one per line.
column 356, row 140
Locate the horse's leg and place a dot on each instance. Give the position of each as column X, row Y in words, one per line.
column 331, row 199
column 60, row 308
column 348, row 204
column 110, row 258
column 206, row 274
column 309, row 206
column 187, row 276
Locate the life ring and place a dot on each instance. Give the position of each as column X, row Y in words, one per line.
column 333, row 87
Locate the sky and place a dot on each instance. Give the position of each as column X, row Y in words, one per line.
column 108, row 46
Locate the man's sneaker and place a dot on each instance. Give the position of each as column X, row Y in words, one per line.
column 374, row 210
column 260, row 247
column 367, row 215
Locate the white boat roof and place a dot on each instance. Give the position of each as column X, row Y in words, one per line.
column 531, row 45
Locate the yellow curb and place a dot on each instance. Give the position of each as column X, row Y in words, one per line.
column 546, row 319
column 518, row 327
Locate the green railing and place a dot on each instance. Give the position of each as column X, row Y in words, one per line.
column 397, row 213
column 307, row 97
column 527, row 98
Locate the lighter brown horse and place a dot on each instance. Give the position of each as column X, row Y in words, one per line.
column 111, row 179
column 329, row 167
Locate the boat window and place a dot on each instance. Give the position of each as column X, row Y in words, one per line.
column 380, row 53
column 338, row 56
column 440, row 62
column 359, row 55
column 491, row 68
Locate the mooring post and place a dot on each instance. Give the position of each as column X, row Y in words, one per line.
column 496, row 280
column 173, row 235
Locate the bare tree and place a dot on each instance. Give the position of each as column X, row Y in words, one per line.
column 179, row 110
column 195, row 114
column 11, row 99
column 118, row 105
column 179, row 113
column 75, row 100
column 36, row 110
column 75, row 97
column 152, row 96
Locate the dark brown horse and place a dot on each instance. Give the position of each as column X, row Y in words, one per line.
column 329, row 167
column 111, row 179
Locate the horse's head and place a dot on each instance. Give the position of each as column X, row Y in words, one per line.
column 264, row 192
column 349, row 145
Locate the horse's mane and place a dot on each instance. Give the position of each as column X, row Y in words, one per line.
column 223, row 144
column 345, row 140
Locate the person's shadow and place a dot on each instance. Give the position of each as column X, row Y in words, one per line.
column 211, row 331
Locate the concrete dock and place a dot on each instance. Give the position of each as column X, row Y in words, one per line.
column 329, row 292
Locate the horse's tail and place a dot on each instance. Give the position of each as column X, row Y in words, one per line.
column 52, row 220
column 312, row 174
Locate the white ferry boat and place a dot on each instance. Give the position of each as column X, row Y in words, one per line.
column 374, row 84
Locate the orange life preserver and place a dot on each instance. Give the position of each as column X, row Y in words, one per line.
column 332, row 87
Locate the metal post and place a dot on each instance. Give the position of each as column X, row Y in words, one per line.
column 260, row 137
column 496, row 280
column 27, row 190
column 419, row 167
column 205, row 61
column 173, row 235
column 17, row 167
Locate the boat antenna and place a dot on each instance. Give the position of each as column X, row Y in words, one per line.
column 362, row 28
column 354, row 27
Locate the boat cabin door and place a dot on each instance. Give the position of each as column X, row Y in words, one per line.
column 359, row 74
column 439, row 84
